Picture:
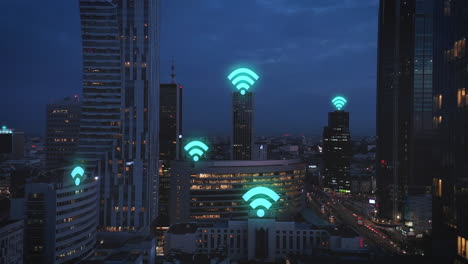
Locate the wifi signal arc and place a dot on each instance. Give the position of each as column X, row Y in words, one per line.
column 244, row 80
column 196, row 149
column 339, row 102
column 76, row 173
column 260, row 202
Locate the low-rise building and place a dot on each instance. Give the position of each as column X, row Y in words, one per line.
column 112, row 247
column 261, row 239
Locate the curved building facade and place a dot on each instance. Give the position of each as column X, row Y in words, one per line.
column 61, row 221
column 213, row 190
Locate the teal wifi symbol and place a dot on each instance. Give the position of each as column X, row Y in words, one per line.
column 196, row 149
column 339, row 102
column 260, row 202
column 76, row 173
column 242, row 79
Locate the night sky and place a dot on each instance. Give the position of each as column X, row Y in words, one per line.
column 305, row 51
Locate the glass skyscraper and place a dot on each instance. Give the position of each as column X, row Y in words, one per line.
column 170, row 138
column 404, row 108
column 63, row 129
column 119, row 130
column 242, row 138
column 337, row 151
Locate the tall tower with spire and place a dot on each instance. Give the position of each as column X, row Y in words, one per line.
column 170, row 136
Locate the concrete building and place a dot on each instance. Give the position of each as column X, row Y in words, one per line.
column 119, row 130
column 259, row 239
column 213, row 190
column 63, row 131
column 61, row 219
column 11, row 242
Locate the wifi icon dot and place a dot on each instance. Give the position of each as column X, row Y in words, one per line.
column 260, row 202
column 77, row 173
column 243, row 79
column 196, row 149
column 339, row 102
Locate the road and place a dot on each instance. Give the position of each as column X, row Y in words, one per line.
column 329, row 206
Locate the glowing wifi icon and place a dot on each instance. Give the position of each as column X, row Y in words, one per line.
column 242, row 79
column 339, row 102
column 76, row 174
column 196, row 149
column 260, row 202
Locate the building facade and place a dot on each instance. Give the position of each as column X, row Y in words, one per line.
column 63, row 131
column 170, row 121
column 60, row 219
column 253, row 239
column 404, row 105
column 242, row 117
column 257, row 239
column 213, row 190
column 119, row 131
column 450, row 199
column 11, row 242
column 170, row 138
column 337, row 152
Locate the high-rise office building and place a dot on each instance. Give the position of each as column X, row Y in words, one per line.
column 119, row 131
column 450, row 203
column 337, row 151
column 63, row 131
column 404, row 107
column 242, row 138
column 170, row 136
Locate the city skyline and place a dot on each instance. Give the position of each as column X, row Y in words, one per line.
column 328, row 54
column 160, row 131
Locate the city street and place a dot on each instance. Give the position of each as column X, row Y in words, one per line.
column 332, row 209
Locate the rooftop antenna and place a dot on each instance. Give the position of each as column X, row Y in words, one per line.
column 173, row 75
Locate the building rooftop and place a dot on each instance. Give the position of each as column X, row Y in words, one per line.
column 8, row 222
column 185, row 228
column 123, row 256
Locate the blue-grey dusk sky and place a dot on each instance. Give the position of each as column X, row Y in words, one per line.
column 305, row 51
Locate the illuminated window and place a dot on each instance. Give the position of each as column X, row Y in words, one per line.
column 438, row 102
column 461, row 97
column 462, row 247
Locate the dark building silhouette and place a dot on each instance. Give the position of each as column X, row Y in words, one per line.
column 63, row 131
column 170, row 137
column 170, row 122
column 337, row 151
column 450, row 203
column 242, row 113
column 404, row 108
